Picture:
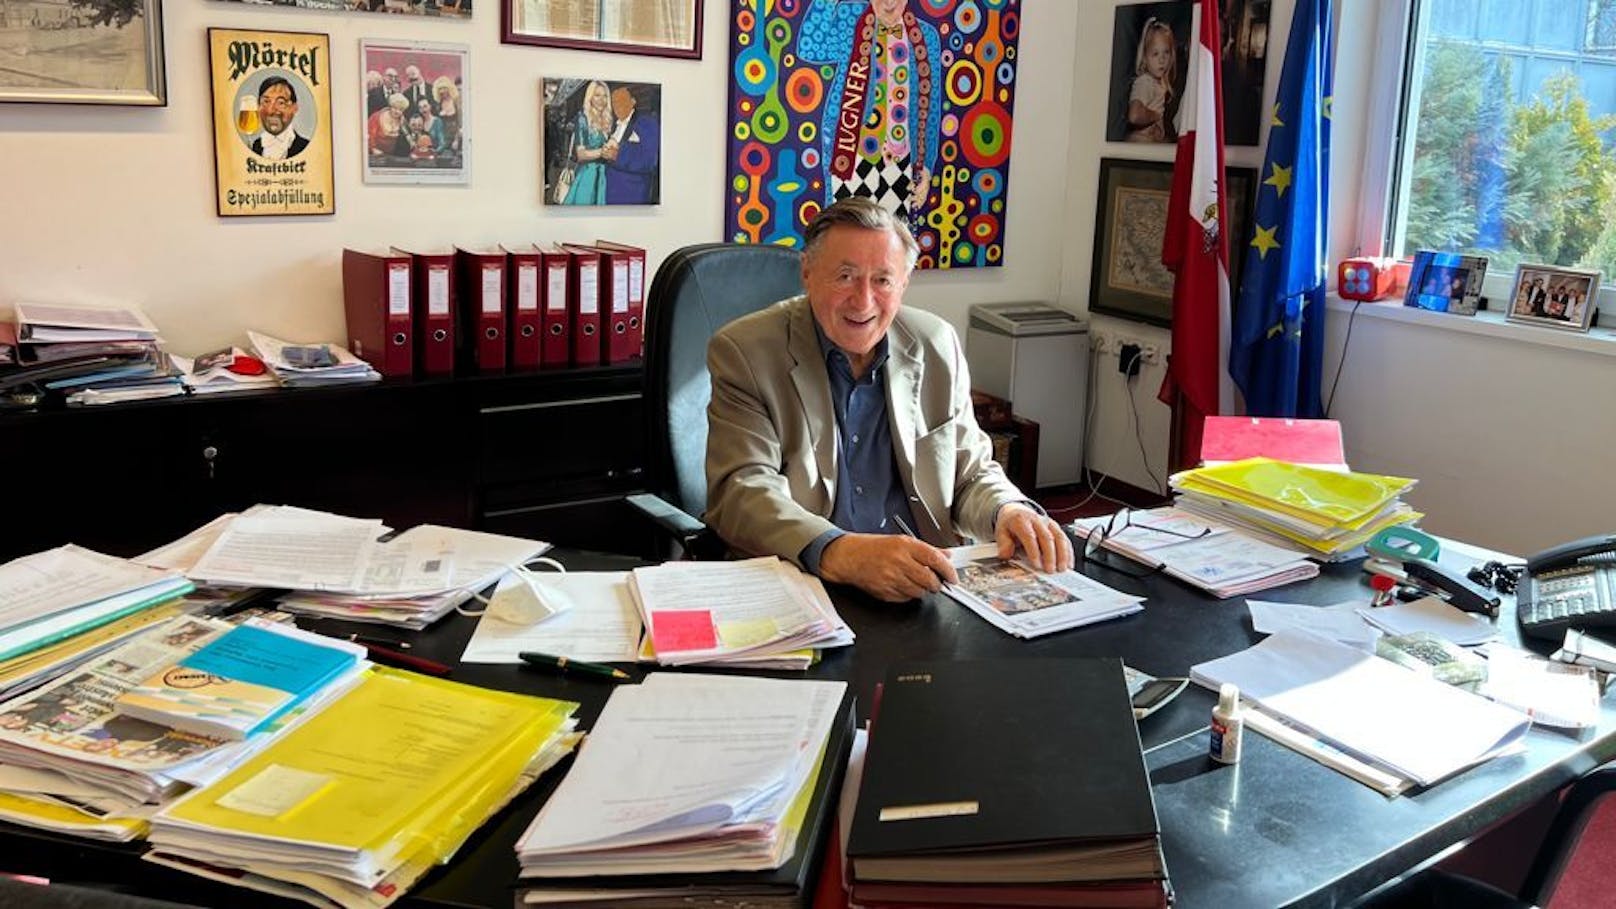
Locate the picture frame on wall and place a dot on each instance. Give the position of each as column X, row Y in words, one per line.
column 271, row 123
column 1563, row 298
column 658, row 28
column 95, row 53
column 1128, row 279
column 1445, row 282
column 602, row 142
column 414, row 125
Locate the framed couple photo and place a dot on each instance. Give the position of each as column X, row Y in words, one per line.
column 1446, row 282
column 1563, row 298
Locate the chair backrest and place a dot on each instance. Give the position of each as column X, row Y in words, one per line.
column 696, row 291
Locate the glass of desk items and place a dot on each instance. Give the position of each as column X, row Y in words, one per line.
column 1434, row 656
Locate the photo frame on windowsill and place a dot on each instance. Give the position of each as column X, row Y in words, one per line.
column 1445, row 282
column 1128, row 279
column 1562, row 298
column 657, row 28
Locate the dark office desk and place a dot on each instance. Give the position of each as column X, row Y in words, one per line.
column 1276, row 829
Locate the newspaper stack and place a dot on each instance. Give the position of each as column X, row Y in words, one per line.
column 759, row 613
column 1025, row 603
column 71, row 760
column 50, row 596
column 1219, row 559
column 1327, row 514
column 223, row 371
column 338, row 567
column 308, row 365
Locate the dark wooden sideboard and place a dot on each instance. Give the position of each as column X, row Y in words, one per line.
column 547, row 455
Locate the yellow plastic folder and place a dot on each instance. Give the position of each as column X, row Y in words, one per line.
column 1321, row 496
column 402, row 764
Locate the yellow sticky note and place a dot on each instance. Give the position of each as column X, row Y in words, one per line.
column 274, row 791
column 748, row 633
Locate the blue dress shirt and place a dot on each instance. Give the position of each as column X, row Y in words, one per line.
column 869, row 491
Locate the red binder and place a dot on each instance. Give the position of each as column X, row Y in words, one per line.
column 434, row 304
column 615, row 343
column 588, row 293
column 636, row 293
column 482, row 279
column 376, row 298
column 523, row 297
column 555, row 322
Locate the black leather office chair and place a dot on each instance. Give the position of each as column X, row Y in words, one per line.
column 1434, row 888
column 696, row 291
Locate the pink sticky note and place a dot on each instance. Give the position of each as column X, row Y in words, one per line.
column 683, row 629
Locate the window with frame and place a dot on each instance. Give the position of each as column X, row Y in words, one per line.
column 1508, row 146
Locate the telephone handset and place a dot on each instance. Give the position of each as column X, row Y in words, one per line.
column 1569, row 586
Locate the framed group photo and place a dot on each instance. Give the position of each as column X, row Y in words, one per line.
column 658, row 28
column 90, row 53
column 414, row 127
column 1563, row 298
column 1129, row 279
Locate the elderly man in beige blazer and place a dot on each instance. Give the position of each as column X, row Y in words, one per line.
column 841, row 434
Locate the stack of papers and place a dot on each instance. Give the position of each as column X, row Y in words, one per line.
column 347, row 368
column 729, row 788
column 70, row 744
column 228, row 370
column 53, row 595
column 355, row 804
column 92, row 355
column 1404, row 724
column 1328, row 514
column 1019, row 600
column 1202, row 552
column 757, row 613
column 337, row 567
column 52, row 323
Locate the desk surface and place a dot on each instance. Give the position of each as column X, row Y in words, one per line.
column 1276, row 829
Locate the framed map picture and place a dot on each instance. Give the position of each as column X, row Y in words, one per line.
column 271, row 122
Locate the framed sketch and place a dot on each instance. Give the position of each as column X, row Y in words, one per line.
column 85, row 52
column 1563, row 298
column 452, row 9
column 271, row 122
column 413, row 122
column 1445, row 282
column 602, row 142
column 659, row 28
column 1128, row 278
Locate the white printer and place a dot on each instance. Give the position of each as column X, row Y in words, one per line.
column 1036, row 356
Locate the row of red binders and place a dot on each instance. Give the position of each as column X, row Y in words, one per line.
column 486, row 311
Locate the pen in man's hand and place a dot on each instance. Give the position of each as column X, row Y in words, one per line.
column 904, row 527
column 564, row 664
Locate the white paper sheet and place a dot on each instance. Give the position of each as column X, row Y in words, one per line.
column 1339, row 622
column 1434, row 615
column 603, row 625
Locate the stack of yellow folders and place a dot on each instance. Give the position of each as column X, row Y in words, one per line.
column 1329, row 514
column 353, row 806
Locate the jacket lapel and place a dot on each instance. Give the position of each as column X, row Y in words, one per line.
column 812, row 382
column 904, row 375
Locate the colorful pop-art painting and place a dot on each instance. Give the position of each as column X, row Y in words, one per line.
column 907, row 102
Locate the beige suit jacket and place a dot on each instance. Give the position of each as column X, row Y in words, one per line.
column 771, row 438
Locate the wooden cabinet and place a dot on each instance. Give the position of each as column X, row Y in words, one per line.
column 545, row 455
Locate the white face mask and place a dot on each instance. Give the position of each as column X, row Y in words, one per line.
column 524, row 598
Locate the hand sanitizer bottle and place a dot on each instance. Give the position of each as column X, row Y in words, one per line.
column 1227, row 725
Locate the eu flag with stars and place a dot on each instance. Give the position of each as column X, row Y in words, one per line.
column 1276, row 348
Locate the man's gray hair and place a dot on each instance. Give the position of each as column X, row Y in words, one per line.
column 858, row 211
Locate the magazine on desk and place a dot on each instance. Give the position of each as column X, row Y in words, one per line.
column 1018, row 600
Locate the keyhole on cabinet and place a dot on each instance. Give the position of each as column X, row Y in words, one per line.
column 208, row 454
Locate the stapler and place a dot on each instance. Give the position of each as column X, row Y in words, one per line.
column 1410, row 557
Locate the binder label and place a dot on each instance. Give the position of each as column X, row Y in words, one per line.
column 619, row 287
column 636, row 279
column 437, row 290
column 589, row 289
column 398, row 289
column 491, row 290
column 939, row 809
column 558, row 289
column 527, row 288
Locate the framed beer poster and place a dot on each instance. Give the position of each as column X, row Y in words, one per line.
column 271, row 123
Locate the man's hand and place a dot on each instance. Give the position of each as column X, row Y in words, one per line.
column 1043, row 541
column 890, row 568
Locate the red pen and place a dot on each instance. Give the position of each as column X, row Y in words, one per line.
column 413, row 663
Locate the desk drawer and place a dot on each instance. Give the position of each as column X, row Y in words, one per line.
column 559, row 441
column 604, row 523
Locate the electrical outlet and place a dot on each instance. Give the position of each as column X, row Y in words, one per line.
column 1102, row 343
column 1152, row 354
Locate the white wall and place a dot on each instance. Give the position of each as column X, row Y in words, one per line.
column 116, row 204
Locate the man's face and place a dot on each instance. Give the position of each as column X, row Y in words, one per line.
column 855, row 281
column 276, row 109
column 390, row 78
column 888, row 11
column 413, row 74
column 622, row 103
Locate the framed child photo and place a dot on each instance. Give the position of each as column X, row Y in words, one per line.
column 1446, row 282
column 1563, row 298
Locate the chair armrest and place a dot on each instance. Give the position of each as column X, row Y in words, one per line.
column 1560, row 842
column 696, row 539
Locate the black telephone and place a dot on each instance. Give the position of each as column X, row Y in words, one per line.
column 1569, row 586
